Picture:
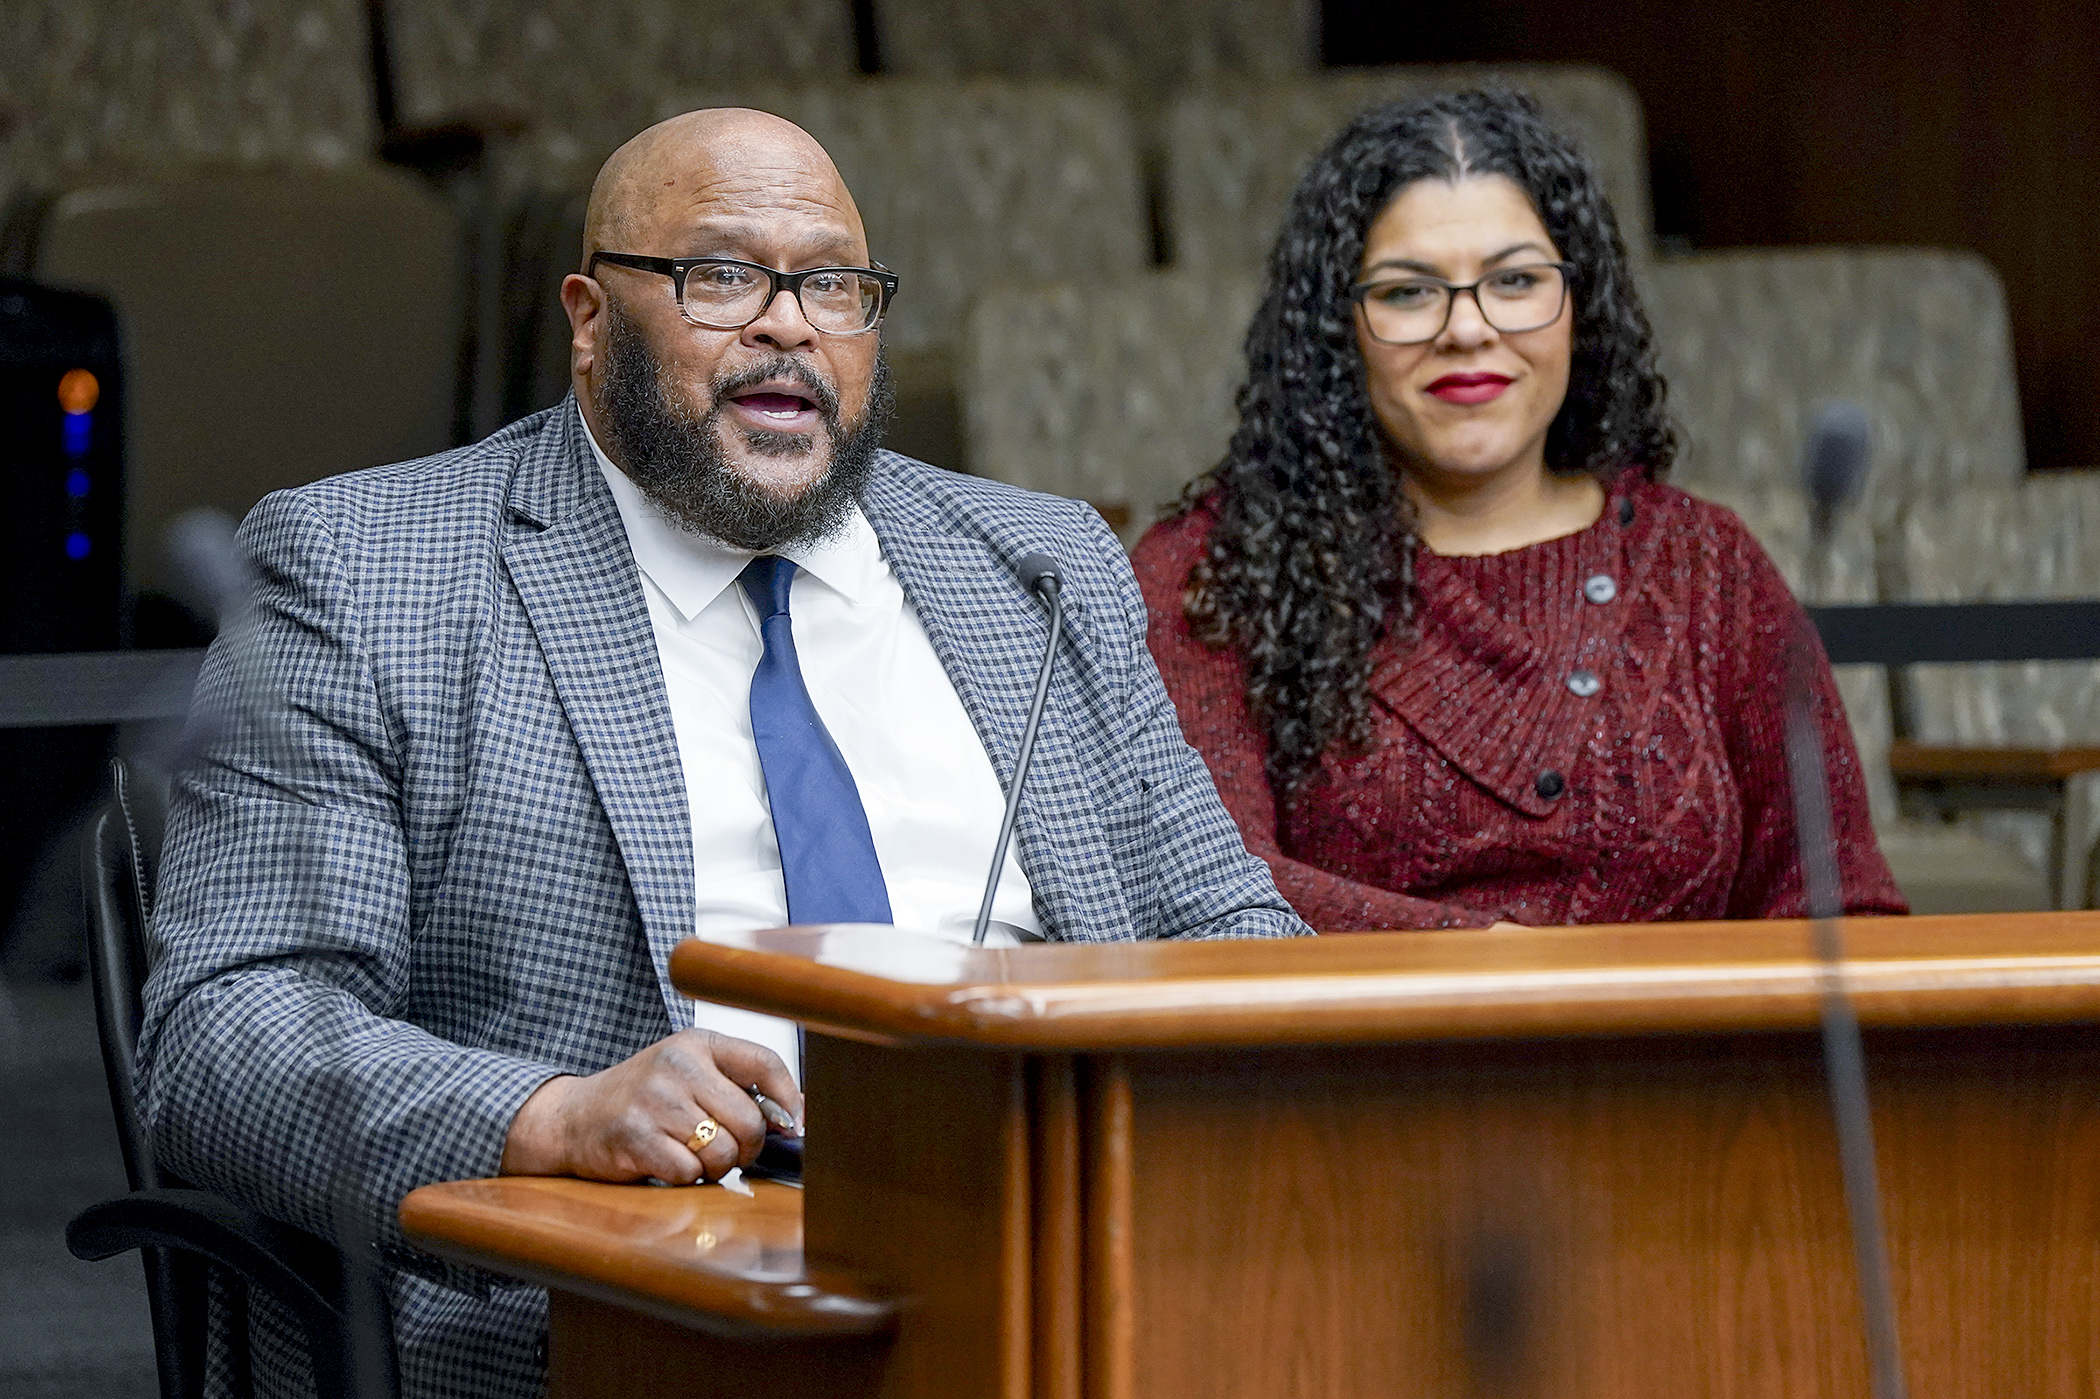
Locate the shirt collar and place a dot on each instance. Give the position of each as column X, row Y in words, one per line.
column 692, row 569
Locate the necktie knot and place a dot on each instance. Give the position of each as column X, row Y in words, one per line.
column 767, row 580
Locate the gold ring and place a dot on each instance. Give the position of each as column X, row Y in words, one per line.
column 706, row 1132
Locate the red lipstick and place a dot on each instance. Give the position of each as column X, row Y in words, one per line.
column 1469, row 388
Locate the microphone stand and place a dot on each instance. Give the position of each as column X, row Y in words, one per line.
column 1047, row 587
column 1844, row 1055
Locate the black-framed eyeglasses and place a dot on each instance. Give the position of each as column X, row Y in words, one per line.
column 722, row 293
column 1414, row 310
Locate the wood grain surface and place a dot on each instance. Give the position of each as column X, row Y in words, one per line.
column 1922, row 762
column 917, row 1171
column 885, row 984
column 1111, row 1290
column 1236, row 1187
column 698, row 1255
column 1059, row 1241
column 1643, row 1217
column 601, row 1351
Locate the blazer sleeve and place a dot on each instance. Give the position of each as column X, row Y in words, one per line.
column 1763, row 622
column 1208, row 885
column 1209, row 692
column 268, row 1065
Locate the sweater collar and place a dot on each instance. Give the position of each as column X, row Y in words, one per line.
column 1485, row 679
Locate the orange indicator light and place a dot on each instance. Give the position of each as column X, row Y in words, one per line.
column 78, row 391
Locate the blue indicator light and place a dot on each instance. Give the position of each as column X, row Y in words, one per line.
column 76, row 433
column 77, row 484
column 76, row 545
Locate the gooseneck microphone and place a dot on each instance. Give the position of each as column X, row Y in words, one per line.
column 1833, row 467
column 1040, row 576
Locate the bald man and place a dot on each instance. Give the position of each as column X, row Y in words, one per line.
column 688, row 653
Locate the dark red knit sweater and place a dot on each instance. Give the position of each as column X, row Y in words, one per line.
column 1552, row 748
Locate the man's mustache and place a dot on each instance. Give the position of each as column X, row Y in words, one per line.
column 781, row 368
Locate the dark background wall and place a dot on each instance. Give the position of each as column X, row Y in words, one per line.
column 1958, row 123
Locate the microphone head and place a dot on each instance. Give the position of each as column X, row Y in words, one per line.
column 1035, row 569
column 1834, row 463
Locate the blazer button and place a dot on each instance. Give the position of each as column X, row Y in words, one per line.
column 1601, row 587
column 1551, row 784
column 1585, row 683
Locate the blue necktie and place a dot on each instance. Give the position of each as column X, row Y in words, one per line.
column 827, row 856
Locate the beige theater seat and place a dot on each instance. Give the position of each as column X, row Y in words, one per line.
column 1753, row 341
column 1939, row 868
column 2038, row 540
column 967, row 189
column 280, row 324
column 1119, row 392
column 1141, row 48
column 88, row 81
column 553, row 87
column 565, row 71
column 1234, row 156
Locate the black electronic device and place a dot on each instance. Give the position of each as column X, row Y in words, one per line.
column 61, row 587
column 62, row 461
column 779, row 1159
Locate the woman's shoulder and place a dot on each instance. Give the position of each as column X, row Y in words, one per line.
column 1168, row 550
column 1713, row 562
column 1674, row 517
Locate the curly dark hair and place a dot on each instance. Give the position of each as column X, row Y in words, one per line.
column 1311, row 558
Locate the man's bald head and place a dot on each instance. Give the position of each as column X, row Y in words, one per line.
column 759, row 433
column 661, row 178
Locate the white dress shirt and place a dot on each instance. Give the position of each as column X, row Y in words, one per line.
column 932, row 798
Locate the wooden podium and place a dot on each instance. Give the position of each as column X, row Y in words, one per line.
column 1562, row 1162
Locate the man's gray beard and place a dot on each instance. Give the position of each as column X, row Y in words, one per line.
column 678, row 460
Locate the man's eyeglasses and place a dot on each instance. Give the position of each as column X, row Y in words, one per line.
column 722, row 293
column 1415, row 310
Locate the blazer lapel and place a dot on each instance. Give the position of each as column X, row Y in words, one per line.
column 989, row 637
column 576, row 576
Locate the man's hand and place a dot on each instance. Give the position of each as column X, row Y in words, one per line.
column 634, row 1119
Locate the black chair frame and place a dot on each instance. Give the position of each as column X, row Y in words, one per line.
column 184, row 1235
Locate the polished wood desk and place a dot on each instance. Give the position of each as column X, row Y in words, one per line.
column 1568, row 1162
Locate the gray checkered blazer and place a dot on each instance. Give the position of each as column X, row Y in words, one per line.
column 437, row 849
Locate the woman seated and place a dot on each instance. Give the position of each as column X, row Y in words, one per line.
column 1454, row 653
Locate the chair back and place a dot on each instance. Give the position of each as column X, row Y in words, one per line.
column 91, row 81
column 2031, row 542
column 2035, row 541
column 328, row 344
column 1119, row 392
column 967, row 189
column 122, row 861
column 1139, row 48
column 1233, row 156
column 556, row 68
column 1753, row 341
column 121, row 866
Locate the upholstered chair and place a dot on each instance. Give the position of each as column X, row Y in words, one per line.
column 1233, row 156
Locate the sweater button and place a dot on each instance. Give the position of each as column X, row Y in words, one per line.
column 1551, row 784
column 1601, row 587
column 1626, row 511
column 1585, row 683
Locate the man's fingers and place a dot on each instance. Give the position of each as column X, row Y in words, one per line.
column 743, row 1126
column 755, row 1066
column 714, row 1159
column 698, row 1061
